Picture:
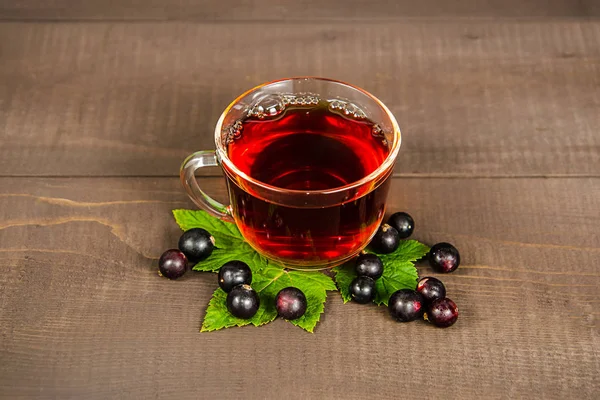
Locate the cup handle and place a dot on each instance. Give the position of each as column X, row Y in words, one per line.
column 195, row 161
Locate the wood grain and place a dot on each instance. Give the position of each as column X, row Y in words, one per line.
column 84, row 315
column 473, row 98
column 301, row 10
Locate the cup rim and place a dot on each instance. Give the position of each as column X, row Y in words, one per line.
column 385, row 165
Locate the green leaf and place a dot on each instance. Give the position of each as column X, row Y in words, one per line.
column 218, row 317
column 267, row 283
column 315, row 286
column 226, row 234
column 230, row 244
column 399, row 271
column 402, row 276
column 408, row 250
column 242, row 252
column 344, row 274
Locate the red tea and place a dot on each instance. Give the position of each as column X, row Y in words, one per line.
column 308, row 148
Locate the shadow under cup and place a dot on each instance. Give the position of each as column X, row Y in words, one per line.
column 308, row 163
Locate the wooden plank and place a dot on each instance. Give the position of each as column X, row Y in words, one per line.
column 299, row 10
column 472, row 98
column 83, row 314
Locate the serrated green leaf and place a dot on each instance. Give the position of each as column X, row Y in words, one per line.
column 242, row 252
column 218, row 317
column 269, row 278
column 399, row 272
column 226, row 234
column 403, row 275
column 315, row 286
column 408, row 250
column 344, row 274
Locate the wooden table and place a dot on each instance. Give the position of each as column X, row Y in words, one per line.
column 499, row 103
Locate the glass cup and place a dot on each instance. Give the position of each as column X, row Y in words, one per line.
column 301, row 229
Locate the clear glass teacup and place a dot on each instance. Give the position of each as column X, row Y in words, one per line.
column 307, row 163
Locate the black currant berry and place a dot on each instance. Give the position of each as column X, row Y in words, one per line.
column 172, row 264
column 197, row 244
column 431, row 289
column 442, row 312
column 234, row 273
column 386, row 239
column 444, row 257
column 369, row 265
column 290, row 303
column 403, row 223
column 243, row 302
column 362, row 289
column 406, row 305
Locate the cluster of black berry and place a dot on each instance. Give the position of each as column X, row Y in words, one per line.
column 194, row 245
column 369, row 268
column 235, row 277
column 387, row 239
column 243, row 302
column 429, row 299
